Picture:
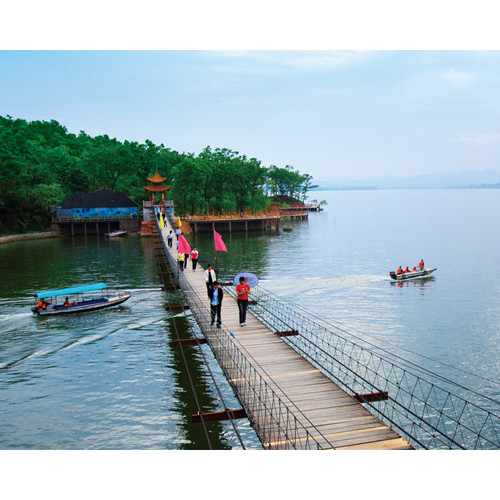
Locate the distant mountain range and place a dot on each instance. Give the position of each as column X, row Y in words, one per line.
column 464, row 179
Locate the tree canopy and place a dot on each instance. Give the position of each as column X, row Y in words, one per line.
column 41, row 164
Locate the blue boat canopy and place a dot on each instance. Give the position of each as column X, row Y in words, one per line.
column 70, row 291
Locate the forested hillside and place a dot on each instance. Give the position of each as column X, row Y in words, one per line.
column 41, row 164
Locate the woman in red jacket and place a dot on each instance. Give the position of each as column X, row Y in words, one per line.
column 242, row 291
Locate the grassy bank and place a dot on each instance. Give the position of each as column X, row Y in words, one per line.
column 28, row 236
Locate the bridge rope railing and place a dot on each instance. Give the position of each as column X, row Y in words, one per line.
column 176, row 299
column 274, row 419
column 425, row 413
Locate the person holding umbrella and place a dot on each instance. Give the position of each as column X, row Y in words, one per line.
column 242, row 291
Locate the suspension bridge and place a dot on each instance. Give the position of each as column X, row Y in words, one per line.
column 305, row 384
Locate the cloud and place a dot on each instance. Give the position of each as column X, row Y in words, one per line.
column 275, row 61
column 308, row 60
column 460, row 78
column 478, row 138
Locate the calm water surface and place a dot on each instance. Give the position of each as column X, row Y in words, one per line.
column 336, row 265
column 106, row 380
column 111, row 380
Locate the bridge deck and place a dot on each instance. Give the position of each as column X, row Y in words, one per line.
column 333, row 417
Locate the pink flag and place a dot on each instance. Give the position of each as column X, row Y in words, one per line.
column 219, row 244
column 183, row 245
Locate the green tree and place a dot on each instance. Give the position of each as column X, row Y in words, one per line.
column 41, row 163
column 186, row 185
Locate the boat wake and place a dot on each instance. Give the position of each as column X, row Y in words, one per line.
column 311, row 286
column 83, row 340
column 14, row 316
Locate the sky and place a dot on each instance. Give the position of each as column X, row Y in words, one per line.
column 334, row 113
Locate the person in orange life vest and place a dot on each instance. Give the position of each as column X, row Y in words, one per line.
column 194, row 258
column 42, row 304
column 407, row 270
column 242, row 291
column 66, row 302
column 421, row 265
column 414, row 268
column 400, row 270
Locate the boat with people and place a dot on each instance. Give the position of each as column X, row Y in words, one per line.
column 406, row 275
column 77, row 299
column 115, row 234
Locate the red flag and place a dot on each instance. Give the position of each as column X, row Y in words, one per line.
column 219, row 244
column 183, row 245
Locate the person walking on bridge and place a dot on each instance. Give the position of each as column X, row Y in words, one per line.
column 216, row 295
column 194, row 258
column 180, row 259
column 242, row 291
column 210, row 278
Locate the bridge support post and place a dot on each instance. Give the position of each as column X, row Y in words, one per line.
column 371, row 397
column 287, row 333
column 218, row 416
column 182, row 308
column 183, row 342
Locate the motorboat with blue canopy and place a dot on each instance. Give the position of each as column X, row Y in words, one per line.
column 70, row 291
column 77, row 299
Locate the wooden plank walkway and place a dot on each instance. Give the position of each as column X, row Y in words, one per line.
column 334, row 418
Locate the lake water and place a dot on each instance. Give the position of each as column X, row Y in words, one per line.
column 111, row 380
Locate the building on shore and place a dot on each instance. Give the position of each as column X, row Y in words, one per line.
column 97, row 213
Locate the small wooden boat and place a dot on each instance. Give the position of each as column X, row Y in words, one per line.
column 96, row 297
column 115, row 234
column 287, row 229
column 419, row 273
